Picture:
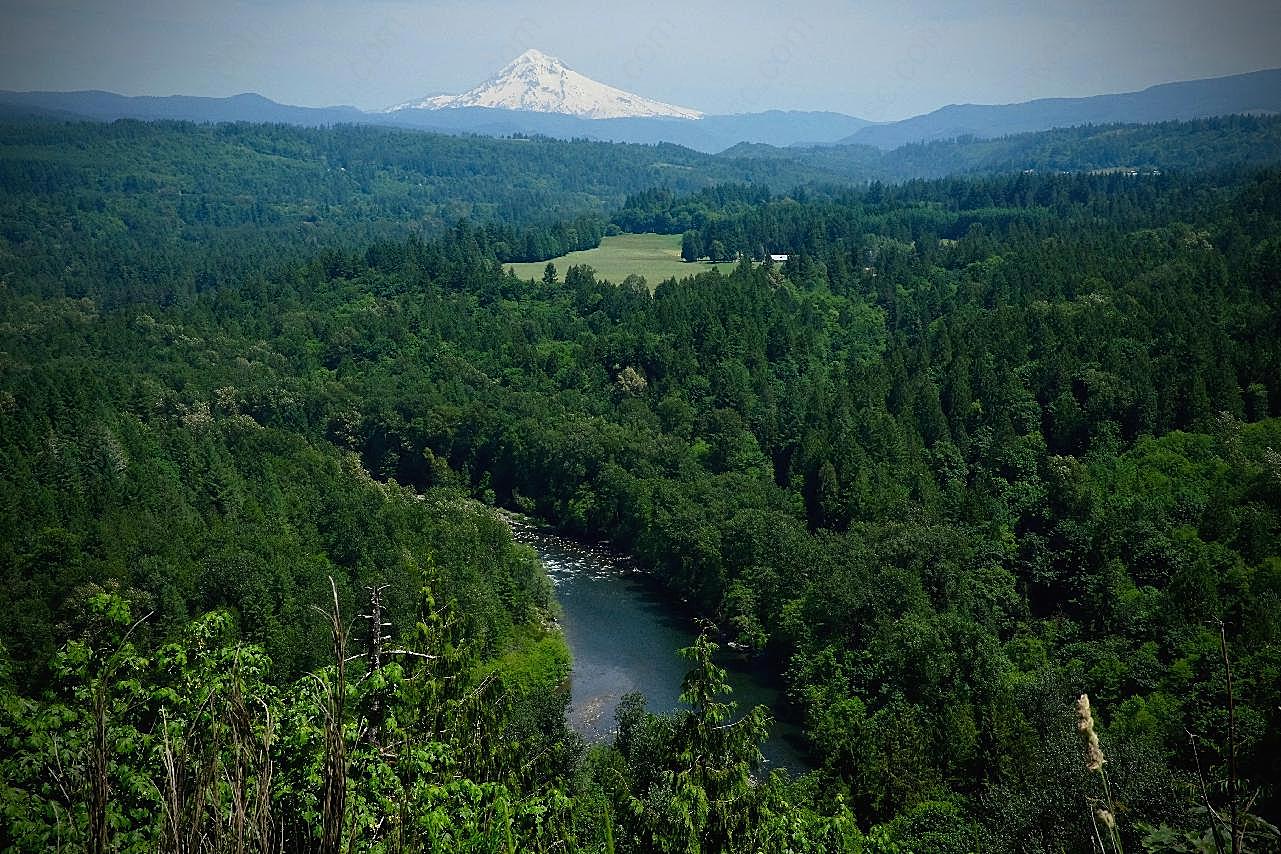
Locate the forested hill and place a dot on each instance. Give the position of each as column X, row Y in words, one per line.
column 140, row 208
column 1205, row 144
column 132, row 209
column 980, row 446
column 1239, row 94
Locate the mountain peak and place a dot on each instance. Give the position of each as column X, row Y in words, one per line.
column 532, row 60
column 536, row 55
column 538, row 82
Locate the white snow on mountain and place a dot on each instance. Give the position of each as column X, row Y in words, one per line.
column 540, row 83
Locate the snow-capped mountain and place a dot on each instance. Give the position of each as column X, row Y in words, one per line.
column 540, row 83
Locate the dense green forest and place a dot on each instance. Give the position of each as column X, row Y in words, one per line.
column 981, row 446
column 155, row 209
column 144, row 210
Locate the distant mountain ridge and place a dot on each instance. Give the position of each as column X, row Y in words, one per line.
column 246, row 107
column 1255, row 92
column 708, row 134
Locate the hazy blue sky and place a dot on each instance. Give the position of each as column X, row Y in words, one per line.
column 880, row 61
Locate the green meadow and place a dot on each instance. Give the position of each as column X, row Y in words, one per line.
column 654, row 256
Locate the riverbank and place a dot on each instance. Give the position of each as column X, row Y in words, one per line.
column 623, row 631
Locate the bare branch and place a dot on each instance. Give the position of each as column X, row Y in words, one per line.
column 1238, row 829
column 410, row 652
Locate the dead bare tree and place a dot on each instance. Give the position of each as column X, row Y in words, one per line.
column 1236, row 818
column 334, row 706
column 98, row 784
column 1211, row 814
column 376, row 626
column 333, row 692
column 1234, row 810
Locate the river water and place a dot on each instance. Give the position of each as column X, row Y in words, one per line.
column 624, row 635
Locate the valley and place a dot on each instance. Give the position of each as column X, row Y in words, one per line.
column 403, row 480
column 623, row 632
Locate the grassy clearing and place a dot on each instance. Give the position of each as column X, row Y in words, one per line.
column 654, row 256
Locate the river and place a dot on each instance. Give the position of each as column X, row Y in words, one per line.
column 624, row 634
